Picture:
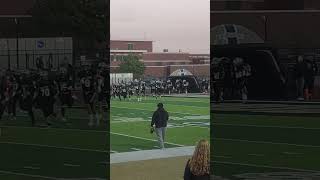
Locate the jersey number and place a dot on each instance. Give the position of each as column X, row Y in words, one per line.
column 45, row 92
column 87, row 83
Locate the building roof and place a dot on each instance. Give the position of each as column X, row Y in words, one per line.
column 16, row 7
column 165, row 56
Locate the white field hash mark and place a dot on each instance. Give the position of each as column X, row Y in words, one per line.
column 71, row 165
column 31, row 167
column 136, row 137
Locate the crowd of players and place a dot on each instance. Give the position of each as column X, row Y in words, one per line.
column 230, row 78
column 44, row 89
column 156, row 88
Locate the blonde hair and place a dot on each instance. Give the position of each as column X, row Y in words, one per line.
column 200, row 161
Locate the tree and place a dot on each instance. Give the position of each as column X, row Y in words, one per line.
column 131, row 64
column 83, row 18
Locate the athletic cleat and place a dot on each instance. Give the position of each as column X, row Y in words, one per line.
column 90, row 124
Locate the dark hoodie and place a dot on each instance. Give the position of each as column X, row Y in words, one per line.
column 160, row 118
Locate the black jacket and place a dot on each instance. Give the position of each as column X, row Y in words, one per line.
column 189, row 176
column 300, row 70
column 160, row 118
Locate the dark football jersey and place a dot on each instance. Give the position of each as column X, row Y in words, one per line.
column 46, row 89
column 66, row 87
column 87, row 84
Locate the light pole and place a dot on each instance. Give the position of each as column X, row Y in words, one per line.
column 8, row 49
column 17, row 40
column 265, row 19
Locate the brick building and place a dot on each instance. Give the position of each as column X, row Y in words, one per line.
column 18, row 29
column 290, row 28
column 158, row 64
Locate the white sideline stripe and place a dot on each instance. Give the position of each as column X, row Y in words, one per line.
column 136, row 149
column 136, row 137
column 174, row 126
column 57, row 147
column 28, row 175
column 151, row 154
column 223, row 157
column 292, row 153
column 178, row 98
column 176, row 112
column 60, row 129
column 128, row 121
column 266, row 142
column 180, row 105
column 31, row 167
column 71, row 165
column 182, row 126
column 258, row 155
column 266, row 166
column 281, row 127
column 113, row 151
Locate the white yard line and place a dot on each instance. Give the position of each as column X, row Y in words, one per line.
column 56, row 147
column 262, row 126
column 266, row 166
column 71, row 165
column 266, row 142
column 28, row 175
column 176, row 112
column 31, row 167
column 292, row 153
column 60, row 129
column 258, row 155
column 223, row 157
column 136, row 137
column 154, row 104
column 136, row 149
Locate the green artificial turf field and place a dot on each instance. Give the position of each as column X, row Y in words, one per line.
column 68, row 150
column 72, row 150
column 265, row 146
column 130, row 123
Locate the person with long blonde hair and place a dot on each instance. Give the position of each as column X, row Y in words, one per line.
column 198, row 166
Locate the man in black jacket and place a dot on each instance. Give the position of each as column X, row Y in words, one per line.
column 159, row 119
column 300, row 72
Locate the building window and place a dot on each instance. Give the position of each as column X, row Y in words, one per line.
column 130, row 46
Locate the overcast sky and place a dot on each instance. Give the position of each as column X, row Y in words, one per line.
column 171, row 24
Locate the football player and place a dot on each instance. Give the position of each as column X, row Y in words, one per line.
column 143, row 90
column 185, row 86
column 12, row 91
column 27, row 98
column 169, row 86
column 103, row 92
column 65, row 85
column 89, row 94
column 46, row 96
